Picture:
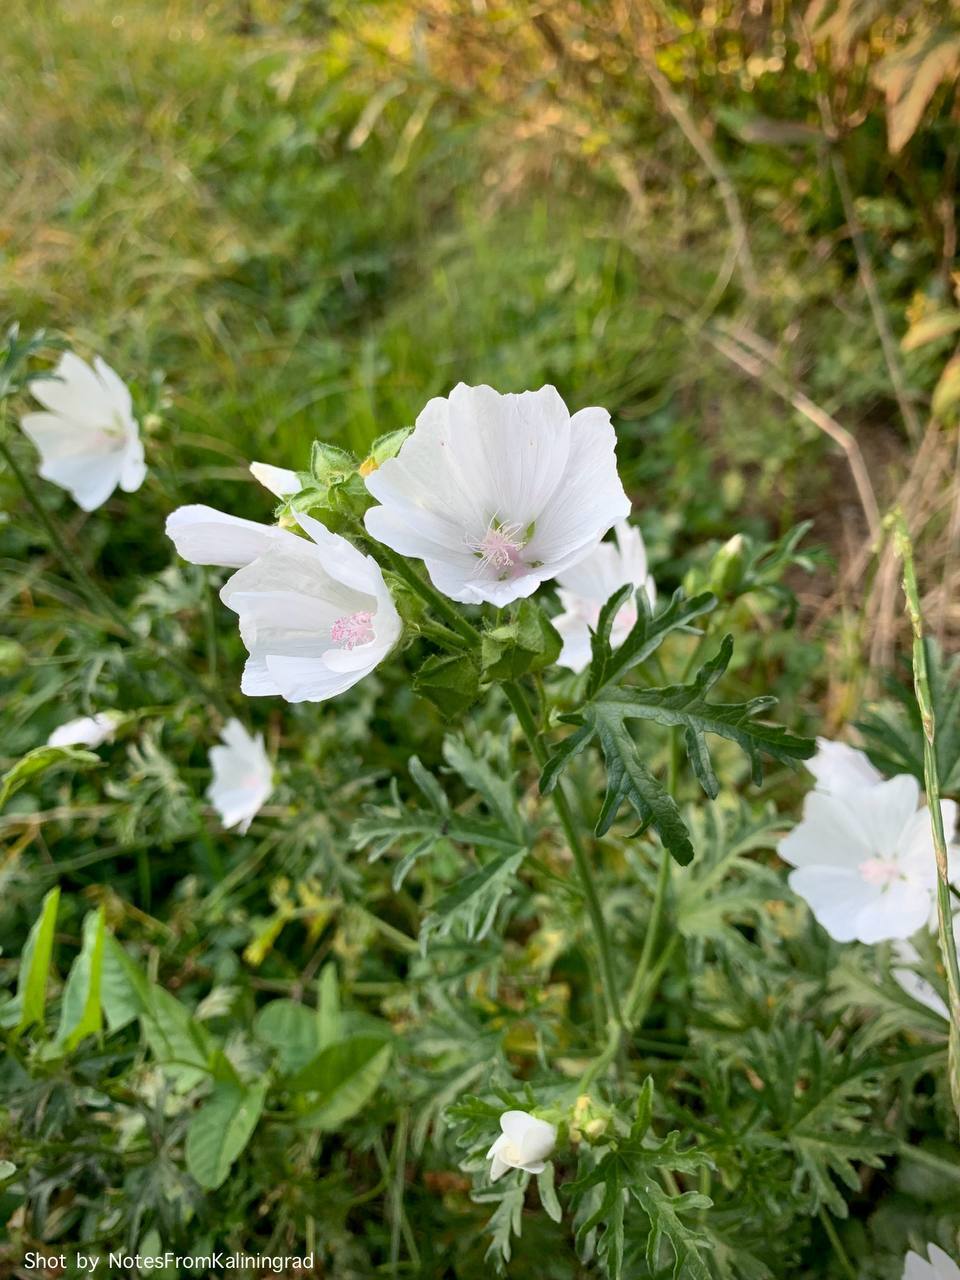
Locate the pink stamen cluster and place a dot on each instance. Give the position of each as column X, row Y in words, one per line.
column 499, row 548
column 880, row 871
column 353, row 629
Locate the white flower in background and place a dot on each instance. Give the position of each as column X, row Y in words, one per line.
column 913, row 983
column 498, row 493
column 88, row 438
column 242, row 776
column 525, row 1143
column 87, row 731
column 865, row 860
column 315, row 615
column 278, row 480
column 586, row 587
column 940, row 1267
column 838, row 768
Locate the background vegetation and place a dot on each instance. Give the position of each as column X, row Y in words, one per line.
column 734, row 225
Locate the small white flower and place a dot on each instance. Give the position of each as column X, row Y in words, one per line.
column 242, row 776
column 865, row 860
column 498, row 493
column 586, row 587
column 525, row 1143
column 940, row 1267
column 87, row 731
column 278, row 480
column 315, row 615
column 88, row 439
column 838, row 768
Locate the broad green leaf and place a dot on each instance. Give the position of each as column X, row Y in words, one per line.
column 345, row 1076
column 40, row 760
column 179, row 1043
column 124, row 990
column 548, row 1193
column 291, row 1029
column 35, row 963
column 80, row 1009
column 221, row 1129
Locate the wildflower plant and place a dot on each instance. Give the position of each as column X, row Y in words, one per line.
column 517, row 820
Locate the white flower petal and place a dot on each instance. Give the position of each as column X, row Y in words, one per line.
column 280, row 481
column 88, row 440
column 87, row 731
column 242, row 776
column 838, row 767
column 897, row 912
column 204, row 535
column 496, row 493
column 828, row 835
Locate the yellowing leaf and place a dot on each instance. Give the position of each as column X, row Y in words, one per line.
column 911, row 76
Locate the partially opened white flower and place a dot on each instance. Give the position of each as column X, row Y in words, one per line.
column 524, row 1143
column 838, row 768
column 278, row 480
column 242, row 776
column 498, row 493
column 88, row 438
column 865, row 859
column 315, row 614
column 86, row 731
column 940, row 1267
column 586, row 587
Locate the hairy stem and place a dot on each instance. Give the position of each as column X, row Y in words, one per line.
column 524, row 715
column 931, row 777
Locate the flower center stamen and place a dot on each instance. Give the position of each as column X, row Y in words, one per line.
column 879, row 871
column 353, row 629
column 499, row 548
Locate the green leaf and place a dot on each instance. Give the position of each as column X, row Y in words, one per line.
column 451, row 681
column 221, row 1129
column 180, row 1044
column 628, row 778
column 686, row 706
column 124, row 990
column 35, row 960
column 329, row 1021
column 911, row 75
column 528, row 642
column 41, row 760
column 80, row 1009
column 291, row 1029
column 497, row 793
column 646, row 636
column 505, row 1223
column 473, row 903
column 548, row 1193
column 345, row 1075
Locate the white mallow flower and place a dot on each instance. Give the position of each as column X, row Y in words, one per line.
column 315, row 613
column 913, row 983
column 525, row 1143
column 864, row 859
column 497, row 493
column 86, row 731
column 242, row 776
column 88, row 438
column 838, row 768
column 278, row 480
column 940, row 1267
column 586, row 587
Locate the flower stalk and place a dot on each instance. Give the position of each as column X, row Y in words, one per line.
column 921, row 681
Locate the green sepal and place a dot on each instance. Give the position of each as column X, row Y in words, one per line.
column 528, row 642
column 451, row 681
